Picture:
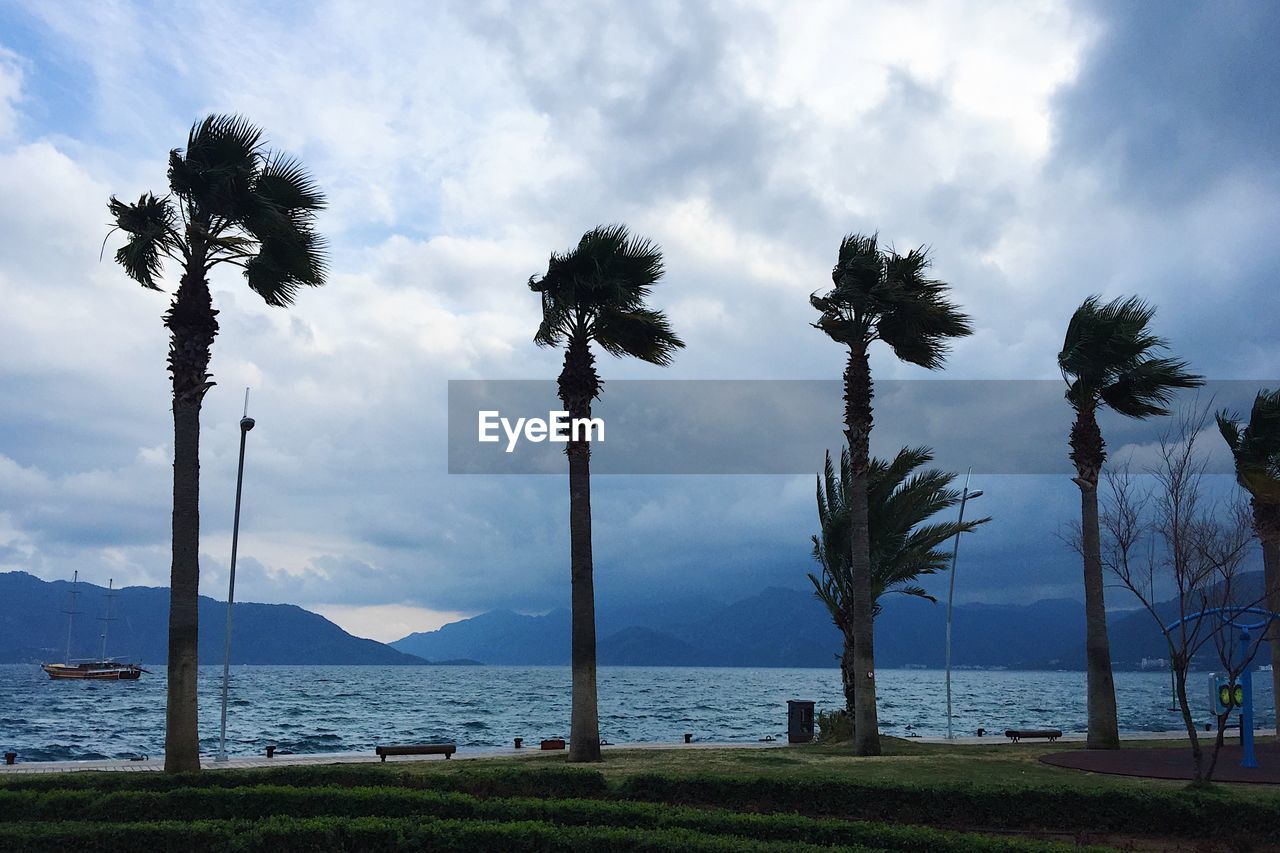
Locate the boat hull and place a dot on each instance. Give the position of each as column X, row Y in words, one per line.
column 93, row 671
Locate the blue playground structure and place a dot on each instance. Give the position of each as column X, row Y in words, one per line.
column 1227, row 695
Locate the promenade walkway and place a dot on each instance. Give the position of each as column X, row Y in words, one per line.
column 241, row 762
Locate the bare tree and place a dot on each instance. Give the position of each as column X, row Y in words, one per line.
column 1162, row 536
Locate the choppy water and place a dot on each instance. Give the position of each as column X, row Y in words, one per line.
column 341, row 708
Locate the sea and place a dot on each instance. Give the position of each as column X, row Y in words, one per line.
column 324, row 709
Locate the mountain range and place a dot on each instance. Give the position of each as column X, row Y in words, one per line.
column 33, row 628
column 777, row 627
column 790, row 627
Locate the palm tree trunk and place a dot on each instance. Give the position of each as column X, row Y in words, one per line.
column 579, row 385
column 1088, row 453
column 858, row 419
column 847, row 681
column 1266, row 519
column 192, row 325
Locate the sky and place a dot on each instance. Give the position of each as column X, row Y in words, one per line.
column 1044, row 151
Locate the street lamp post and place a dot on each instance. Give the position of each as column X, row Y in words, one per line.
column 965, row 497
column 246, row 424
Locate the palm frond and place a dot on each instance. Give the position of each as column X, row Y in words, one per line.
column 901, row 498
column 600, row 288
column 1110, row 355
column 642, row 333
column 215, row 175
column 1256, row 446
column 879, row 293
column 286, row 262
column 149, row 224
column 285, row 185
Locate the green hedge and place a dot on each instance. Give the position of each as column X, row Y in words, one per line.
column 253, row 802
column 369, row 835
column 1156, row 811
column 485, row 782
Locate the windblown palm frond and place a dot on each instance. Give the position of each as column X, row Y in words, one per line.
column 1256, row 446
column 598, row 291
column 1110, row 356
column 878, row 294
column 233, row 202
column 150, row 226
column 904, row 546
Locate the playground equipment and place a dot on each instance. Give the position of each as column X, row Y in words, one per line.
column 1228, row 694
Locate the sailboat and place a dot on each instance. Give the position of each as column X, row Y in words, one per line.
column 102, row 669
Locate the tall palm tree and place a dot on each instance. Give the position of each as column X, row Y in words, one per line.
column 1109, row 358
column 878, row 294
column 232, row 202
column 904, row 548
column 596, row 293
column 1256, row 448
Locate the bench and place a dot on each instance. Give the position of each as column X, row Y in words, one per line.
column 445, row 749
column 1016, row 735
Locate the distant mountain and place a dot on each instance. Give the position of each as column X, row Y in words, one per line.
column 776, row 627
column 1134, row 634
column 33, row 628
column 790, row 627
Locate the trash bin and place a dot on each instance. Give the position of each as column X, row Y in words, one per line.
column 799, row 720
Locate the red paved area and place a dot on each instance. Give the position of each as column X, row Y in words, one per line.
column 1162, row 762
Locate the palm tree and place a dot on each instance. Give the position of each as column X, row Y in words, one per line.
column 877, row 295
column 230, row 202
column 595, row 293
column 904, row 548
column 1256, row 448
column 1109, row 358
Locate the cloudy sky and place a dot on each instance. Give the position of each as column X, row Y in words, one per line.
column 1044, row 150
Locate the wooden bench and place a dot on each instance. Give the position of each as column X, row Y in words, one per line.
column 445, row 749
column 1016, row 735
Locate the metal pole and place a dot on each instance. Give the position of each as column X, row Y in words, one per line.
column 71, row 613
column 951, row 594
column 1247, row 757
column 108, row 619
column 246, row 424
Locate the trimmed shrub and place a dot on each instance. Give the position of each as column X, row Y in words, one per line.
column 369, row 835
column 1158, row 811
column 250, row 803
column 488, row 782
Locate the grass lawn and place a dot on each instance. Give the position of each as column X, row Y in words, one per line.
column 905, row 761
column 917, row 797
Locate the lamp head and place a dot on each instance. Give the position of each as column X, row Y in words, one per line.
column 976, row 493
column 246, row 424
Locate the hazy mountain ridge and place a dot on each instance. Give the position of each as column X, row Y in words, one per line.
column 33, row 628
column 790, row 627
column 776, row 627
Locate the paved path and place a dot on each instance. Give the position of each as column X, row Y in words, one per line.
column 314, row 759
column 1172, row 763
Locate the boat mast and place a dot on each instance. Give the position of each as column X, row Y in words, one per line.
column 71, row 613
column 108, row 619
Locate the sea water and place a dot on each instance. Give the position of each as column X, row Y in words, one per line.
column 309, row 709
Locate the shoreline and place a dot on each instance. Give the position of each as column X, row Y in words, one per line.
column 242, row 762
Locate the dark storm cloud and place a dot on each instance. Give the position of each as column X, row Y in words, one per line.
column 1174, row 115
column 1177, row 96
